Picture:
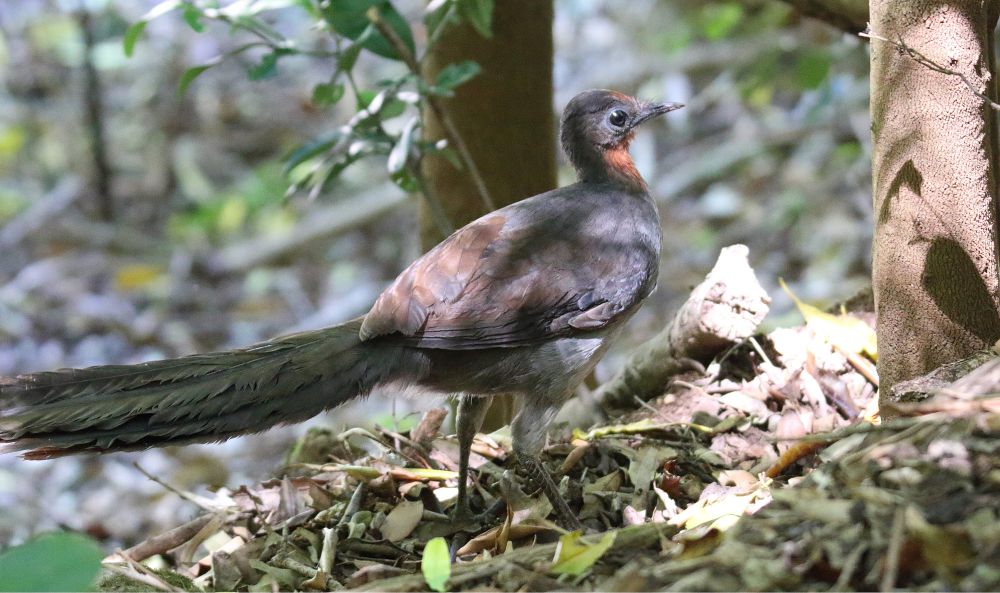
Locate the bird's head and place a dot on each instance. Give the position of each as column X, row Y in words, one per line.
column 597, row 127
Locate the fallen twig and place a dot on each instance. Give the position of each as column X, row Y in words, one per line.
column 167, row 540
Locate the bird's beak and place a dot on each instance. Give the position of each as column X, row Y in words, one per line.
column 651, row 110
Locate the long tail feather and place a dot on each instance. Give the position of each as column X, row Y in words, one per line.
column 204, row 397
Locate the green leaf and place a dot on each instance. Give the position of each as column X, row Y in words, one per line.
column 311, row 149
column 327, row 94
column 189, row 75
column 479, row 13
column 439, row 13
column 456, row 74
column 575, row 558
column 406, row 181
column 392, row 108
column 812, row 67
column 192, row 16
column 132, row 35
column 266, row 68
column 52, row 562
column 721, row 19
column 135, row 30
column 349, row 18
column 436, row 564
column 349, row 56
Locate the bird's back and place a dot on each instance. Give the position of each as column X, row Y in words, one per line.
column 565, row 262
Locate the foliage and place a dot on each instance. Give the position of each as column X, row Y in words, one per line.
column 435, row 564
column 53, row 562
column 575, row 558
column 353, row 29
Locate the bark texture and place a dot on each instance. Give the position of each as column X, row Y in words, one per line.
column 935, row 250
column 505, row 114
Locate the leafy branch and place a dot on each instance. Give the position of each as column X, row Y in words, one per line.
column 355, row 26
column 434, row 103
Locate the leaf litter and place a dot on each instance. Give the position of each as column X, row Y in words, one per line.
column 770, row 470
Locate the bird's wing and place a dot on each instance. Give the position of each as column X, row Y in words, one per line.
column 520, row 275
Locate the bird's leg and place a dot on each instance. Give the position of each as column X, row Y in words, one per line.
column 471, row 413
column 528, row 431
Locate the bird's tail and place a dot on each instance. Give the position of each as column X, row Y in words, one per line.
column 200, row 398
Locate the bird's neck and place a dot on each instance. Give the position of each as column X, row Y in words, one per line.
column 620, row 169
column 609, row 165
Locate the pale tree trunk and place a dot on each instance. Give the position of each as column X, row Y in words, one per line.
column 935, row 250
column 505, row 115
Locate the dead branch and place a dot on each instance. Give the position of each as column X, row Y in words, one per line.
column 167, row 540
column 725, row 308
column 950, row 376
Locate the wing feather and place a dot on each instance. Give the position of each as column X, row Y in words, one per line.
column 545, row 267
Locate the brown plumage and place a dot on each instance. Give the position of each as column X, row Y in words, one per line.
column 520, row 303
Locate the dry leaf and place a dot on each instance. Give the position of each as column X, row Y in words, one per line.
column 402, row 520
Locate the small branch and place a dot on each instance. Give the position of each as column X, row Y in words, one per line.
column 94, row 110
column 923, row 60
column 202, row 502
column 946, row 376
column 441, row 220
column 168, row 540
column 454, row 138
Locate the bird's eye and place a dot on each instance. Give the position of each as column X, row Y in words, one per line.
column 618, row 118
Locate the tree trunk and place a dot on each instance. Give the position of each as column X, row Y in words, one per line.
column 935, row 272
column 505, row 116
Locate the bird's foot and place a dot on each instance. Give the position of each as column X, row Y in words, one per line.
column 465, row 520
column 538, row 474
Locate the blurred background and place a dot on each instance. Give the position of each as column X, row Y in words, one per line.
column 138, row 223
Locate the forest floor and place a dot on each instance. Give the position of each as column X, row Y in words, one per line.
column 769, row 470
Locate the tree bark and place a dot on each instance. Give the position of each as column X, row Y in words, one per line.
column 934, row 265
column 505, row 116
